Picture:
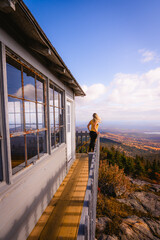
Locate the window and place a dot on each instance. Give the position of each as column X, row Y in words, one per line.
column 1, row 172
column 26, row 110
column 56, row 106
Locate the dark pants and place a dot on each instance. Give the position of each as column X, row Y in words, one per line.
column 93, row 136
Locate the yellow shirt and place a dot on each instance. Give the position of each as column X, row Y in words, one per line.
column 92, row 126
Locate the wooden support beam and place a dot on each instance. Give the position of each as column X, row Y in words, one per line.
column 7, row 5
column 57, row 67
column 65, row 78
column 40, row 48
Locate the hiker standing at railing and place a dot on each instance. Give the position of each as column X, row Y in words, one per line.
column 94, row 130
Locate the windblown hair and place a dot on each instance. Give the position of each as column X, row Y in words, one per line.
column 96, row 118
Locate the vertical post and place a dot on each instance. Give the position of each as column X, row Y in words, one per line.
column 87, row 230
column 48, row 118
column 90, row 156
column 81, row 141
column 86, row 140
column 6, row 151
column 76, row 139
column 24, row 119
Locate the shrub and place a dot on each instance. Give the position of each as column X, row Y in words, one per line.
column 112, row 180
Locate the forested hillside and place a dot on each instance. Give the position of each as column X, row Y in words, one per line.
column 127, row 206
column 136, row 167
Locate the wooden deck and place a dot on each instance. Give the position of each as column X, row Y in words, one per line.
column 61, row 218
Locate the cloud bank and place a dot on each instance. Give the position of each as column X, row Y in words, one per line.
column 130, row 97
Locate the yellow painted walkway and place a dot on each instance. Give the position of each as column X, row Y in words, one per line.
column 61, row 218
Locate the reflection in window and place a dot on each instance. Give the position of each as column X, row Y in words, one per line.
column 52, row 138
column 61, row 118
column 41, row 120
column 26, row 112
column 14, row 78
column 40, row 90
column 15, row 115
column 51, row 118
column 51, row 95
column 42, row 142
column 61, row 134
column 57, row 136
column 29, row 84
column 56, row 98
column 30, row 115
column 1, row 171
column 56, row 116
column 18, row 152
column 31, row 145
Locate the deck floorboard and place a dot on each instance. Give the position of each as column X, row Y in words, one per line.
column 61, row 218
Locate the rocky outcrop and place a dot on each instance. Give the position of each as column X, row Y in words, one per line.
column 137, row 228
column 147, row 205
column 101, row 223
column 107, row 237
column 131, row 228
column 145, row 202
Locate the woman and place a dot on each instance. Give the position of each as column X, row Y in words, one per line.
column 94, row 130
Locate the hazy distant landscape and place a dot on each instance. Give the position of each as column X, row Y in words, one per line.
column 138, row 139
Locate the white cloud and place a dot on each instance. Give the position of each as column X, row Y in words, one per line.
column 93, row 93
column 85, row 106
column 128, row 97
column 29, row 91
column 148, row 55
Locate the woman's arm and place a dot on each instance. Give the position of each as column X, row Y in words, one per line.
column 88, row 126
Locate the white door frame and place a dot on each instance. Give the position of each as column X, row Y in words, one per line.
column 69, row 134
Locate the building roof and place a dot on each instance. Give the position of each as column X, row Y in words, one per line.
column 19, row 22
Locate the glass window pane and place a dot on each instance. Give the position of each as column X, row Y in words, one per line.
column 40, row 90
column 61, row 100
column 56, row 117
column 51, row 119
column 17, row 153
column 61, row 134
column 41, row 120
column 42, row 142
column 14, row 78
column 31, row 145
column 61, row 116
column 29, row 84
column 52, row 139
column 30, row 115
column 15, row 115
column 1, row 169
column 51, row 95
column 56, row 94
column 57, row 136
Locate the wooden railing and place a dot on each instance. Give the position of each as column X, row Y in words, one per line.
column 82, row 141
column 88, row 218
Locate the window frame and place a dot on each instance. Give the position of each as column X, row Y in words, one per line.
column 43, row 79
column 61, row 92
column 7, row 170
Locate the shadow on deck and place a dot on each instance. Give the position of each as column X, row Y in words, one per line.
column 61, row 218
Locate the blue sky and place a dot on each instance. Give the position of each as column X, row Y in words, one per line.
column 112, row 48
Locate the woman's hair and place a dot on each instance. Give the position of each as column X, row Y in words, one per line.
column 96, row 118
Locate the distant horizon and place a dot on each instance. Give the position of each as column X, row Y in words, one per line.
column 145, row 126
